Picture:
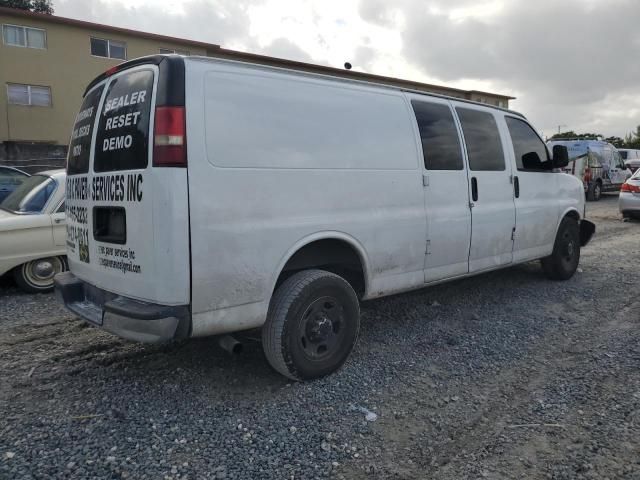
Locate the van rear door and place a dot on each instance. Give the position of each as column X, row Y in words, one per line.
column 127, row 192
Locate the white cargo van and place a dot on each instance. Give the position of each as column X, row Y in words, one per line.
column 207, row 196
column 598, row 164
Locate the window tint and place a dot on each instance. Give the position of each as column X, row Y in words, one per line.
column 29, row 95
column 178, row 52
column 117, row 50
column 79, row 149
column 35, row 38
column 108, row 48
column 14, row 35
column 18, row 36
column 482, row 139
column 530, row 151
column 122, row 141
column 18, row 94
column 31, row 196
column 440, row 143
column 99, row 48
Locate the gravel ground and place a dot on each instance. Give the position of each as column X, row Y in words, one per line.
column 505, row 375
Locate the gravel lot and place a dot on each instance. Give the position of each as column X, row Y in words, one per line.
column 506, row 375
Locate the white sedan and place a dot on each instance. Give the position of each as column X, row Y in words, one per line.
column 629, row 201
column 33, row 231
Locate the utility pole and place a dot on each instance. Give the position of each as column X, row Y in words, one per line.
column 560, row 127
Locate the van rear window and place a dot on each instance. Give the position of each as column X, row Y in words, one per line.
column 122, row 142
column 79, row 149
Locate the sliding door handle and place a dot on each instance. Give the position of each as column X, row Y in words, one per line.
column 474, row 189
column 516, row 187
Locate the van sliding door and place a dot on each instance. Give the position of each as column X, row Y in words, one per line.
column 445, row 190
column 490, row 188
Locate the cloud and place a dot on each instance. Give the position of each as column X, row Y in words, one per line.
column 565, row 60
column 213, row 21
column 285, row 48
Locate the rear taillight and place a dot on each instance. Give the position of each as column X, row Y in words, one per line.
column 627, row 187
column 169, row 137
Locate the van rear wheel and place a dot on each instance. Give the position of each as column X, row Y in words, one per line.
column 312, row 325
column 563, row 262
column 37, row 275
column 594, row 193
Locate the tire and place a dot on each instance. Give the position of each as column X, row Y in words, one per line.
column 312, row 325
column 594, row 193
column 36, row 276
column 563, row 262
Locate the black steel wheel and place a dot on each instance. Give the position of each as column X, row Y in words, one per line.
column 563, row 262
column 312, row 325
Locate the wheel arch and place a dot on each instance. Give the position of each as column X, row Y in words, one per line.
column 570, row 212
column 326, row 249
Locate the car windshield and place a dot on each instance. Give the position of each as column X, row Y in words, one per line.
column 31, row 196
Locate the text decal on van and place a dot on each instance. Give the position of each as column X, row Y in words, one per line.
column 122, row 142
column 78, row 160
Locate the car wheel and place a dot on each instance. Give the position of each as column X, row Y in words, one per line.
column 563, row 262
column 37, row 275
column 595, row 192
column 312, row 325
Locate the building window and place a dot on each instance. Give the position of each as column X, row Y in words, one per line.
column 18, row 36
column 108, row 48
column 33, row 95
column 178, row 52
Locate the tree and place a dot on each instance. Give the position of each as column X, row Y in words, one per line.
column 632, row 140
column 573, row 136
column 615, row 141
column 38, row 6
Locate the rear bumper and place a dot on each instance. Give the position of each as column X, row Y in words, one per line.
column 629, row 203
column 123, row 316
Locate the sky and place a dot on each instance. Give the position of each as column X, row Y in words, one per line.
column 572, row 64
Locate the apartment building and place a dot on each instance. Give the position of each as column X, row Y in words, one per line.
column 46, row 61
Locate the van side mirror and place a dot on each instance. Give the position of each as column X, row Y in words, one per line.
column 560, row 156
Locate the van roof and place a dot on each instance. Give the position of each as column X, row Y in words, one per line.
column 347, row 76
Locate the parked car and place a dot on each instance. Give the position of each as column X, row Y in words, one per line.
column 33, row 231
column 10, row 179
column 598, row 164
column 629, row 201
column 631, row 158
column 293, row 196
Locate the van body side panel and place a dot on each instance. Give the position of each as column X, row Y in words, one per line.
column 275, row 159
column 537, row 207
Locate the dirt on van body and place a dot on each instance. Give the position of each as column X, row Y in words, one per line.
column 505, row 375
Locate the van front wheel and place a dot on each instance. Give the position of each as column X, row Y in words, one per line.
column 312, row 325
column 563, row 262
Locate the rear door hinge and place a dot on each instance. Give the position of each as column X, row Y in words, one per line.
column 428, row 252
column 513, row 234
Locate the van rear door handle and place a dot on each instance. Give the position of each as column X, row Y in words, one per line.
column 474, row 189
column 516, row 187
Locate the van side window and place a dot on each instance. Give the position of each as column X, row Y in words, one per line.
column 80, row 147
column 482, row 138
column 440, row 142
column 531, row 153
